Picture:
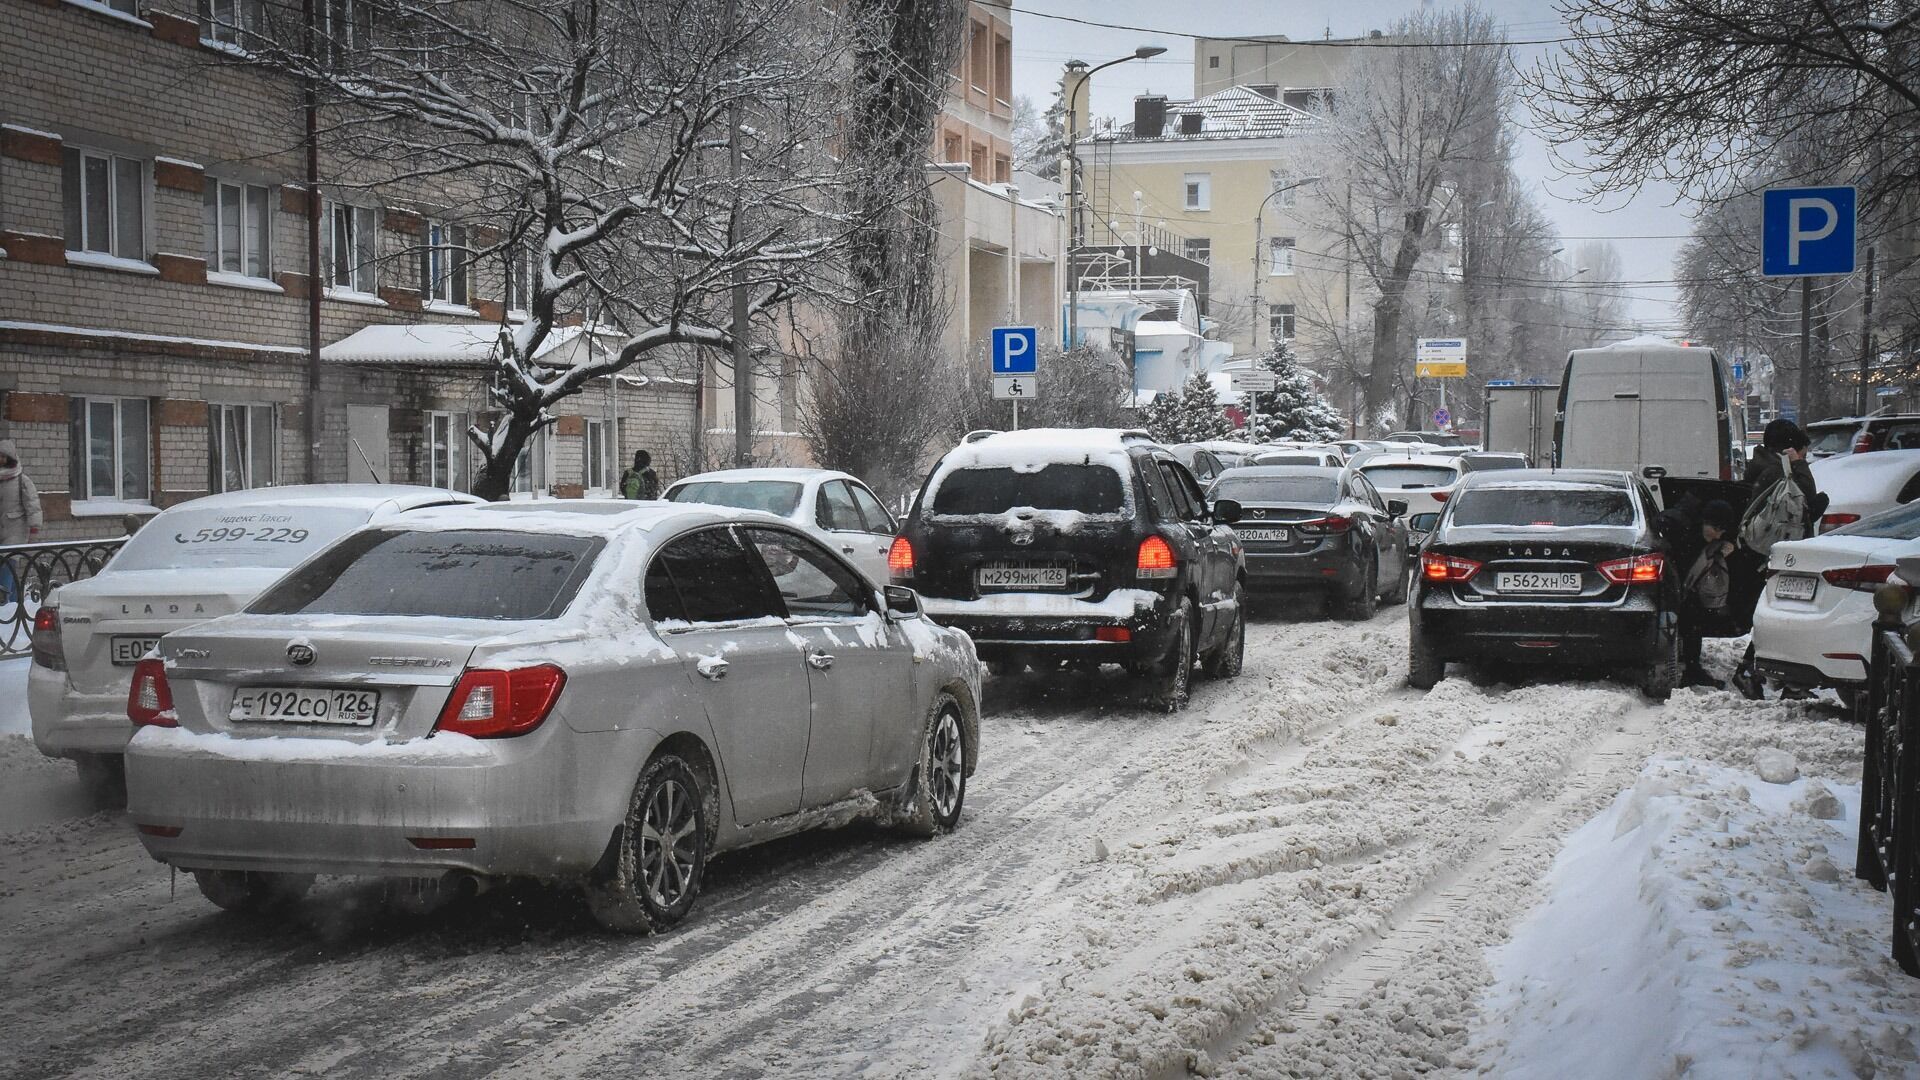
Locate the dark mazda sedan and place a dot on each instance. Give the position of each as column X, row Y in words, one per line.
column 1319, row 530
column 1547, row 567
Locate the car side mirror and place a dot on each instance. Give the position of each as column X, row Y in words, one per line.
column 1396, row 508
column 1226, row 511
column 902, row 603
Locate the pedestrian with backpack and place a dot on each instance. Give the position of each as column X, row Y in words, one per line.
column 1785, row 502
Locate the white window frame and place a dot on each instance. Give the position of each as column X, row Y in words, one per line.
column 355, row 28
column 529, row 479
column 1205, row 243
column 519, row 290
column 362, row 268
column 230, row 24
column 1198, row 191
column 445, row 439
column 82, row 244
column 597, row 457
column 1283, row 192
column 259, row 420
column 1280, row 250
column 446, row 266
column 84, row 455
column 250, row 230
column 1282, row 322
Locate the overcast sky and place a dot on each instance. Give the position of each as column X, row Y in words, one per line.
column 1645, row 228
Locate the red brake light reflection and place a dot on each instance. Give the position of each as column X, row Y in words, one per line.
column 1637, row 570
column 1436, row 567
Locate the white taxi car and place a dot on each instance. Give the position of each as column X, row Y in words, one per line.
column 190, row 563
column 836, row 508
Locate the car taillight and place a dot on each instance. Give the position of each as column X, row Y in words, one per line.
column 1330, row 523
column 1726, row 471
column 1436, row 567
column 48, row 651
column 900, row 558
column 1155, row 559
column 1863, row 443
column 1830, row 522
column 1440, row 496
column 490, row 704
column 1858, row 578
column 149, row 699
column 1636, row 570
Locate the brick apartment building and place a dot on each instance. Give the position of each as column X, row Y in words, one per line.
column 154, row 291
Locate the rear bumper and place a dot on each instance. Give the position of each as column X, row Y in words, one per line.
column 1790, row 642
column 1317, row 569
column 1058, row 628
column 67, row 723
column 1626, row 633
column 309, row 808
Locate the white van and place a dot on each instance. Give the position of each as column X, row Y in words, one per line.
column 1650, row 407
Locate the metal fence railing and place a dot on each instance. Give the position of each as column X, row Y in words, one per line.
column 28, row 572
column 1889, row 854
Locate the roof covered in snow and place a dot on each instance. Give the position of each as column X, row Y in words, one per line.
column 434, row 344
column 580, row 517
column 344, row 496
column 1238, row 112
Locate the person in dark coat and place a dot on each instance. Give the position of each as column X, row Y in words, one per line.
column 1703, row 558
column 1783, row 452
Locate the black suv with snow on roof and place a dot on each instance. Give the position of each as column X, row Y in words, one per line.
column 1079, row 546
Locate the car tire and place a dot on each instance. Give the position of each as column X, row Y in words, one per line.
column 1663, row 672
column 104, row 778
column 249, row 890
column 939, row 786
column 1226, row 661
column 1425, row 669
column 1170, row 679
column 1362, row 607
column 650, row 886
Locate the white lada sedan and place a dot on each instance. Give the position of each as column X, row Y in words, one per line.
column 193, row 562
column 605, row 694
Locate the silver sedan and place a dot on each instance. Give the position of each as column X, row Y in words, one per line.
column 597, row 693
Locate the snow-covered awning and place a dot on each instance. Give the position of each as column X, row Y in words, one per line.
column 453, row 345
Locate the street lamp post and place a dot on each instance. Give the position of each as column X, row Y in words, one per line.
column 1073, row 178
column 1259, row 223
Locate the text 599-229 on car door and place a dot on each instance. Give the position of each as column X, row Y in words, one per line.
column 594, row 693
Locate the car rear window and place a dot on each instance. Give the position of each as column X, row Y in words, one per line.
column 1559, row 507
column 458, row 574
column 1089, row 489
column 1304, row 458
column 267, row 536
column 774, row 496
column 1410, row 476
column 1899, row 523
column 1311, row 490
column 1832, row 440
column 1486, row 463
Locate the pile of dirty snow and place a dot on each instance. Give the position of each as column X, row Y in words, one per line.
column 1706, row 924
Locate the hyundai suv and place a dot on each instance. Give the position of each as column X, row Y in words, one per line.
column 1079, row 546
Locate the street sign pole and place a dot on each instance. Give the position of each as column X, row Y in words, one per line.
column 1016, row 414
column 1015, row 365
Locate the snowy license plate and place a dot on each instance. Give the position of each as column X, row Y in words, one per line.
column 1528, row 581
column 1795, row 586
column 1010, row 576
column 126, row 651
column 299, row 705
column 1275, row 536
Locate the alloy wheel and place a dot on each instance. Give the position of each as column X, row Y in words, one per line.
column 668, row 844
column 946, row 765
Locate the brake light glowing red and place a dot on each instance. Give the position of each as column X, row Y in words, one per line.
column 1858, row 578
column 900, row 558
column 48, row 650
column 1436, row 567
column 493, row 704
column 1636, row 570
column 1155, row 559
column 1330, row 523
column 150, row 699
column 1830, row 522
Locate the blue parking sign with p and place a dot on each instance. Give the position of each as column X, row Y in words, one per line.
column 1807, row 232
column 1015, row 350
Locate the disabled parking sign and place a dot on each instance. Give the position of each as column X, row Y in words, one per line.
column 1808, row 232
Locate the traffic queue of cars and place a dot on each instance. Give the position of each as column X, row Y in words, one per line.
column 608, row 694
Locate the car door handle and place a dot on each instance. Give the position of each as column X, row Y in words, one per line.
column 821, row 661
column 846, row 549
column 711, row 668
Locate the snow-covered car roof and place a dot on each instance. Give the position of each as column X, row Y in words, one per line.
column 1256, row 472
column 324, row 496
column 746, row 476
column 1548, row 478
column 578, row 517
column 1382, row 461
column 1047, row 446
